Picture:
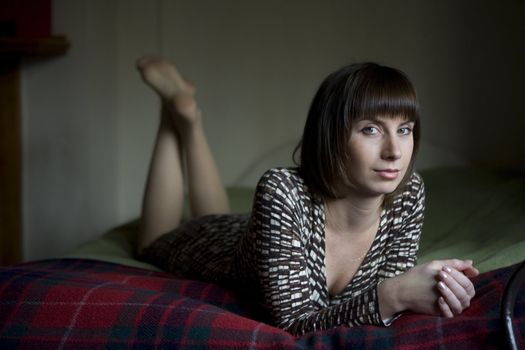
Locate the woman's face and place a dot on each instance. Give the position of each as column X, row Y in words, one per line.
column 379, row 153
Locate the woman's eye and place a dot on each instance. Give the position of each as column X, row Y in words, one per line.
column 405, row 130
column 370, row 130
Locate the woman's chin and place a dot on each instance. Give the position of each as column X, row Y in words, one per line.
column 382, row 189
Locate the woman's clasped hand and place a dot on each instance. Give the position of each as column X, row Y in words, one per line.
column 439, row 287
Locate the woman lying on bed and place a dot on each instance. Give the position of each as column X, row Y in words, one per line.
column 332, row 242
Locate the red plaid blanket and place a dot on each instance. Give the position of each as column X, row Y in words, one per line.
column 87, row 304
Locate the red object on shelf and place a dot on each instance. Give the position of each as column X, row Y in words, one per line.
column 25, row 18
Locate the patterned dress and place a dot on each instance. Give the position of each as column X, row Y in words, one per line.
column 278, row 251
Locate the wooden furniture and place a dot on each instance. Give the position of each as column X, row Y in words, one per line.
column 12, row 51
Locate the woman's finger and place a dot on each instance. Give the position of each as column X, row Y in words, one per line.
column 450, row 298
column 464, row 266
column 445, row 309
column 471, row 272
column 457, row 289
column 460, row 278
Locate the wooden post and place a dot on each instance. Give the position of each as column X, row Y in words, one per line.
column 10, row 162
column 11, row 52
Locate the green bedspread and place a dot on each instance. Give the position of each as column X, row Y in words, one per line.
column 471, row 213
column 475, row 214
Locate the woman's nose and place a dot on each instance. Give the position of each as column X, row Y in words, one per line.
column 391, row 149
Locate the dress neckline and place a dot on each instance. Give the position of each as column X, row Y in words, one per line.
column 363, row 263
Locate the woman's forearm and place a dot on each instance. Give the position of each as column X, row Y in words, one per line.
column 390, row 297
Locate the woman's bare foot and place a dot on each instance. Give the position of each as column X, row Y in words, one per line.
column 176, row 93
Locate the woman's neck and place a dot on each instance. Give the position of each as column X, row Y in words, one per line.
column 353, row 215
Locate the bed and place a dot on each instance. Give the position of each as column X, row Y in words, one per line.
column 99, row 296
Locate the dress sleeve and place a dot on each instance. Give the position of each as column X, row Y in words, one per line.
column 402, row 253
column 282, row 266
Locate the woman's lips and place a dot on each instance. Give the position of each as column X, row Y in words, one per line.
column 389, row 174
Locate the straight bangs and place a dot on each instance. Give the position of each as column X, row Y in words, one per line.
column 382, row 92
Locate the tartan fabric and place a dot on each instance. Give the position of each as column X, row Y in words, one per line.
column 88, row 304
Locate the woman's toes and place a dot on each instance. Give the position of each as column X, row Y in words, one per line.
column 162, row 76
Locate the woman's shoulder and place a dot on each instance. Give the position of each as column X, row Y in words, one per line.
column 281, row 176
column 414, row 184
column 411, row 196
column 284, row 182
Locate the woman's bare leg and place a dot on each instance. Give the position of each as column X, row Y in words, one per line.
column 180, row 140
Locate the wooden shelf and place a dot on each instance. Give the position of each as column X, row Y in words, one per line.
column 52, row 46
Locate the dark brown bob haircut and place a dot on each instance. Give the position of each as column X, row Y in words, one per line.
column 354, row 92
